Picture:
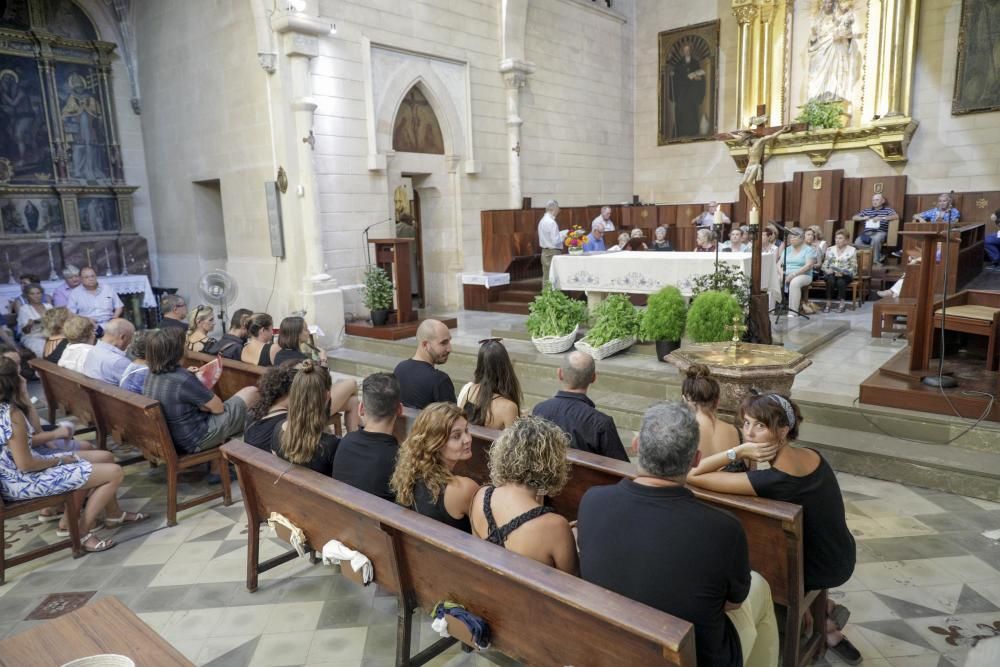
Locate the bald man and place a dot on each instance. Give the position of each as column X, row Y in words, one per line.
column 420, row 382
column 107, row 361
column 573, row 411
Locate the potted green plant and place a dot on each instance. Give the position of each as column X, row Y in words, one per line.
column 822, row 115
column 616, row 326
column 710, row 317
column 728, row 277
column 378, row 294
column 663, row 320
column 554, row 320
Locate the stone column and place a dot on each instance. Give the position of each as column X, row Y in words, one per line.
column 745, row 14
column 515, row 75
column 896, row 36
column 321, row 298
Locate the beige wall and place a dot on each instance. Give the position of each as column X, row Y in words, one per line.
column 947, row 152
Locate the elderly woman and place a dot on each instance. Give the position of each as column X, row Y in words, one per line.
column 55, row 341
column 839, row 268
column 30, row 317
column 134, row 377
column 424, row 478
column 660, row 241
column 705, row 241
column 79, row 331
column 637, row 240
column 201, row 323
column 796, row 262
column 527, row 463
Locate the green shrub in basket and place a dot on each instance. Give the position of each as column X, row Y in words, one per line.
column 552, row 313
column 615, row 318
column 664, row 316
column 709, row 316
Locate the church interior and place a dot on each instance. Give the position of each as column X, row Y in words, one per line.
column 330, row 185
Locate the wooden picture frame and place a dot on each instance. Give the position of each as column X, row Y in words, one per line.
column 688, row 84
column 977, row 83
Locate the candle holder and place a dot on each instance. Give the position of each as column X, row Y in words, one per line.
column 10, row 269
column 107, row 263
column 124, row 263
column 52, row 265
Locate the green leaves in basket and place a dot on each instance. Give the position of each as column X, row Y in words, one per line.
column 552, row 313
column 616, row 318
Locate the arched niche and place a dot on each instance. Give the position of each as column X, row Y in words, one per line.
column 416, row 128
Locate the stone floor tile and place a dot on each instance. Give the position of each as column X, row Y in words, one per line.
column 294, row 616
column 161, row 598
column 966, row 568
column 895, row 638
column 214, row 648
column 236, row 657
column 288, row 648
column 866, row 606
column 190, row 624
column 244, row 619
column 896, row 574
column 338, row 646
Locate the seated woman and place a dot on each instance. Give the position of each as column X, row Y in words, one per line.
column 493, row 398
column 660, row 242
column 768, row 243
column 25, row 474
column 423, row 479
column 55, row 340
column 527, row 463
column 701, row 392
column 705, row 240
column 637, row 240
column 196, row 417
column 840, row 265
column 735, row 242
column 79, row 331
column 201, row 323
column 797, row 475
column 302, row 435
column 259, row 350
column 796, row 264
column 622, row 244
column 30, row 318
column 134, row 377
column 270, row 412
column 814, row 237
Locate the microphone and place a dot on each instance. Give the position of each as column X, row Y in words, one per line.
column 364, row 235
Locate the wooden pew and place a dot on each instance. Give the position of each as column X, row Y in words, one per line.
column 536, row 614
column 773, row 529
column 62, row 392
column 9, row 510
column 138, row 421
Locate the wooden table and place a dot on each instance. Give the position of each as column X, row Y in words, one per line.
column 106, row 626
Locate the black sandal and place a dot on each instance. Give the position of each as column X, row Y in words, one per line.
column 847, row 652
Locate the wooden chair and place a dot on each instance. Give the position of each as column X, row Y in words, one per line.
column 9, row 510
column 974, row 312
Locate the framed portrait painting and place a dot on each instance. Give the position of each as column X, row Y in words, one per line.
column 688, row 83
column 977, row 76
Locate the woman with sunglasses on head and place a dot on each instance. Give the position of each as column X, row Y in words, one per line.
column 260, row 349
column 493, row 398
column 798, row 475
column 200, row 326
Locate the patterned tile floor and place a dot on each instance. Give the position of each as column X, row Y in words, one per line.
column 926, row 586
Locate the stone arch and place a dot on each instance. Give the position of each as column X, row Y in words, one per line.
column 419, row 73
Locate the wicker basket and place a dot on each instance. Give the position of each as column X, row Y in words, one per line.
column 555, row 344
column 604, row 351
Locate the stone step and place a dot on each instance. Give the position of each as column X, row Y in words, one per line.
column 512, row 307
column 517, row 296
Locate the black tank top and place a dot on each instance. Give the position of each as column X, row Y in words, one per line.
column 265, row 355
column 423, row 504
column 499, row 535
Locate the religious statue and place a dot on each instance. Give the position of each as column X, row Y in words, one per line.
column 82, row 121
column 755, row 161
column 834, row 52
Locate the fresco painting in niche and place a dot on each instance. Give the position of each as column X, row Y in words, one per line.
column 688, row 67
column 14, row 14
column 416, row 129
column 65, row 19
column 83, row 122
column 24, row 140
column 98, row 214
column 977, row 81
column 31, row 215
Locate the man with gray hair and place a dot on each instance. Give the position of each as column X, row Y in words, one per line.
column 550, row 239
column 572, row 410
column 604, row 219
column 596, row 241
column 174, row 309
column 107, row 361
column 651, row 540
column 60, row 296
column 707, row 217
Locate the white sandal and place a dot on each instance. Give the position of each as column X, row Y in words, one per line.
column 102, row 545
column 123, row 519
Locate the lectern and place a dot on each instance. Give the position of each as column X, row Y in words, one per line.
column 393, row 256
column 922, row 342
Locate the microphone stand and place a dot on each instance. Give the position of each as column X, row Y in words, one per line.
column 941, row 380
column 364, row 235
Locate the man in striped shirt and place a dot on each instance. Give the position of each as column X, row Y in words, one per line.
column 876, row 230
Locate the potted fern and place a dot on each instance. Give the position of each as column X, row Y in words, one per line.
column 554, row 320
column 378, row 295
column 663, row 321
column 615, row 328
column 711, row 315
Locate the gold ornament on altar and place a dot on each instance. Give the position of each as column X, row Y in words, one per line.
column 982, row 202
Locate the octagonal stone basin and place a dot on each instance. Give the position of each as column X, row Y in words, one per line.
column 750, row 366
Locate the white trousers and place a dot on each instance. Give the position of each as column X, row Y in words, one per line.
column 755, row 624
column 795, row 290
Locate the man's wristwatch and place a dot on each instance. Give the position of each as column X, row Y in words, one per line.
column 731, row 454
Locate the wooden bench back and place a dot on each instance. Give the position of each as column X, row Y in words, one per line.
column 537, row 614
column 62, row 388
column 773, row 528
column 235, row 374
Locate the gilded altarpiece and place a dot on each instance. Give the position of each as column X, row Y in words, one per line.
column 857, row 54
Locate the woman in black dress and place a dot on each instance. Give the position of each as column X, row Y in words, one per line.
column 302, row 437
column 259, row 350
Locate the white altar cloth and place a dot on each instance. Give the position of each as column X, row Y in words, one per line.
column 647, row 272
column 122, row 285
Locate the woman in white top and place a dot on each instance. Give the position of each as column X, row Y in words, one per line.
column 840, row 266
column 29, row 318
column 79, row 331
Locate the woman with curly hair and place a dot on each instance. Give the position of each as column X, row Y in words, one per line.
column 302, row 437
column 56, row 342
column 80, row 333
column 527, row 463
column 493, row 398
column 423, row 479
column 267, row 415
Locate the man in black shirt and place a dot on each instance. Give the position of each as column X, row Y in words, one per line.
column 421, row 384
column 571, row 409
column 231, row 344
column 365, row 459
column 175, row 311
column 649, row 539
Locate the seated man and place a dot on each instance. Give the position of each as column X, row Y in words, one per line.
column 876, row 231
column 596, row 241
column 571, row 410
column 99, row 303
column 604, row 219
column 366, row 459
column 108, row 362
column 707, row 217
column 175, row 312
column 942, row 212
column 993, row 244
column 71, row 276
column 231, row 344
column 422, row 384
column 632, row 530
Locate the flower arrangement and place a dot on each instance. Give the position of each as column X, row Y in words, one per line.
column 576, row 238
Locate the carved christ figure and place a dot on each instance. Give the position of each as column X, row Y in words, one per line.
column 755, row 161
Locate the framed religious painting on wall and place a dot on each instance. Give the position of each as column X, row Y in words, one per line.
column 977, row 73
column 688, row 83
